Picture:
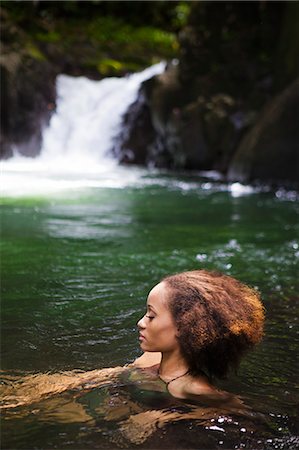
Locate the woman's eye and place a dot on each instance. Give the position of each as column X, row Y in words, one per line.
column 150, row 317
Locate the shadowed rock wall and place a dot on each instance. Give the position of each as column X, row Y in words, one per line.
column 270, row 150
column 204, row 112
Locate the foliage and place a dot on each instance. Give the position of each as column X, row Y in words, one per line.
column 111, row 38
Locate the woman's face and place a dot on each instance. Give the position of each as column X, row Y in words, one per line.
column 157, row 330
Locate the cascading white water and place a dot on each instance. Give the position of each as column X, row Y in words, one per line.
column 77, row 141
column 88, row 116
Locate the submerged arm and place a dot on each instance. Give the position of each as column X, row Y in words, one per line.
column 32, row 388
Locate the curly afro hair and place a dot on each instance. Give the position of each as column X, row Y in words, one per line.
column 218, row 319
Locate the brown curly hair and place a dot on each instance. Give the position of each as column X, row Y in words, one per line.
column 218, row 319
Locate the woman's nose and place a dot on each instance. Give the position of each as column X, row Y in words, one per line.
column 140, row 323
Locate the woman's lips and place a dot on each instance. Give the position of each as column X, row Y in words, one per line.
column 141, row 337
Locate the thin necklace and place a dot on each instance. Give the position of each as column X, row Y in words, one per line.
column 175, row 378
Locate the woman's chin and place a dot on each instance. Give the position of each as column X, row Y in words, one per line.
column 145, row 348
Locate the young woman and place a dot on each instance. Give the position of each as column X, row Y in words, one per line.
column 197, row 326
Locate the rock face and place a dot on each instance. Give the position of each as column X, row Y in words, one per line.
column 27, row 91
column 188, row 131
column 204, row 111
column 28, row 97
column 166, row 127
column 133, row 144
column 176, row 118
column 270, row 150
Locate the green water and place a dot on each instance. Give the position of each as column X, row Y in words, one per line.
column 76, row 268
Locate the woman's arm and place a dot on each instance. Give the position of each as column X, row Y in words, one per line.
column 32, row 388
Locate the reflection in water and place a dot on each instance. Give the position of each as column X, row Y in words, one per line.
column 133, row 403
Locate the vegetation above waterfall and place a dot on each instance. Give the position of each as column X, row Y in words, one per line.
column 95, row 38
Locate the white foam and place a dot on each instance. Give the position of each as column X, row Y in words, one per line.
column 238, row 189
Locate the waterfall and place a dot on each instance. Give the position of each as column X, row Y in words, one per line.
column 80, row 134
column 88, row 117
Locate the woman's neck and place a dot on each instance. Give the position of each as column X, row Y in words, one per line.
column 172, row 364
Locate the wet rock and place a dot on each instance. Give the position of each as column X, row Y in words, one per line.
column 27, row 91
column 169, row 126
column 132, row 145
column 172, row 134
column 270, row 150
column 224, row 123
column 28, row 98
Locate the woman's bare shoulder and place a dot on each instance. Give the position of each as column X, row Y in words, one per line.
column 148, row 359
column 199, row 388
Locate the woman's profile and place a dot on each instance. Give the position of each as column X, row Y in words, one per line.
column 197, row 326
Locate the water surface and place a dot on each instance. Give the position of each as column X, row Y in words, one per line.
column 77, row 263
